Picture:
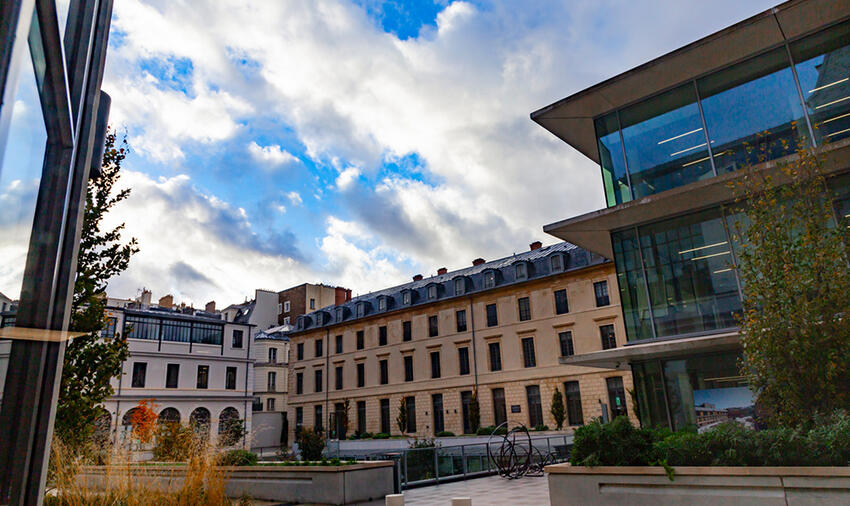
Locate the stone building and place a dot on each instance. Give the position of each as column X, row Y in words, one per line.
column 496, row 328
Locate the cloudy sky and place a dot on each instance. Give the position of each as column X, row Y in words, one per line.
column 358, row 142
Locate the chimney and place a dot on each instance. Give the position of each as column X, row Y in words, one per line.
column 417, row 277
column 145, row 298
column 166, row 301
column 441, row 271
column 535, row 245
column 210, row 307
column 341, row 295
column 478, row 261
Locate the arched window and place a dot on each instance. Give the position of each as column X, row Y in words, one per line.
column 169, row 415
column 200, row 420
column 230, row 427
column 127, row 420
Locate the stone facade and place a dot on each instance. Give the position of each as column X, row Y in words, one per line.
column 583, row 320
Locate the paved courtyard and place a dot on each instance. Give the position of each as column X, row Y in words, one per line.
column 483, row 491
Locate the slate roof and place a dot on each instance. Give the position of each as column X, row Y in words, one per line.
column 538, row 266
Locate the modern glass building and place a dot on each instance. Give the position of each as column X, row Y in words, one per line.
column 669, row 137
column 52, row 126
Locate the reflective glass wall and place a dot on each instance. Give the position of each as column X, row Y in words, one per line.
column 760, row 109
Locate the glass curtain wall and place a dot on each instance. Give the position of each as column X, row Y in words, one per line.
column 753, row 111
column 677, row 276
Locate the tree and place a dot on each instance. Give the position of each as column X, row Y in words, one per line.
column 793, row 265
column 91, row 362
column 401, row 419
column 474, row 412
column 344, row 420
column 143, row 420
column 557, row 409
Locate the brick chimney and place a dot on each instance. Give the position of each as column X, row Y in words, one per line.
column 167, row 301
column 210, row 307
column 341, row 295
column 535, row 245
column 478, row 261
column 145, row 299
column 417, row 277
column 441, row 271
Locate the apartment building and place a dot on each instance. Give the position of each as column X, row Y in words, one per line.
column 496, row 328
column 307, row 297
column 196, row 366
column 670, row 136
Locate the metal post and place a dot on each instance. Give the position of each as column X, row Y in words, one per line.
column 436, row 466
column 404, row 456
column 463, row 458
column 548, row 446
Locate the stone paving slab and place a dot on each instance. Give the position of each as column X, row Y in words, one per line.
column 491, row 490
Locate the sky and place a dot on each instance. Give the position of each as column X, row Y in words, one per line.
column 358, row 143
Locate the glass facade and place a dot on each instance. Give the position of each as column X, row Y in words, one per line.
column 695, row 391
column 677, row 276
column 759, row 109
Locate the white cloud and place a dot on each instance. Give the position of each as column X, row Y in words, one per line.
column 294, row 198
column 272, row 155
column 459, row 96
column 347, row 177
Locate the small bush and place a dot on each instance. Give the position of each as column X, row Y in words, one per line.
column 239, row 458
column 445, row 433
column 485, row 431
column 174, row 442
column 366, row 435
column 540, row 428
column 501, row 431
column 381, row 435
column 617, row 443
column 311, row 444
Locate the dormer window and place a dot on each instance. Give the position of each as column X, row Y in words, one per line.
column 405, row 297
column 557, row 263
column 490, row 279
column 361, row 309
column 432, row 292
column 319, row 318
column 521, row 271
column 339, row 314
column 460, row 286
column 382, row 303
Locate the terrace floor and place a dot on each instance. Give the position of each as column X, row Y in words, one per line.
column 483, row 491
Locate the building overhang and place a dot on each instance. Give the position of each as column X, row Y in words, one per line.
column 571, row 119
column 592, row 231
column 621, row 358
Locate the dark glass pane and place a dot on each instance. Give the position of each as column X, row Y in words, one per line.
column 437, row 408
column 616, row 396
column 611, row 159
column 752, row 111
column 632, row 288
column 824, row 73
column 572, row 393
column 649, row 388
column 535, row 409
column 665, row 142
column 495, row 357
column 691, row 282
column 500, row 413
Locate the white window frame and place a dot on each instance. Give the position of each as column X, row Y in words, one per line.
column 286, row 306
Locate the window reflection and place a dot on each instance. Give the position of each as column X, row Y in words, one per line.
column 665, row 142
column 611, row 157
column 752, row 111
column 632, row 289
column 824, row 73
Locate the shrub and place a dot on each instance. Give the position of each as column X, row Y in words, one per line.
column 311, row 444
column 501, row 431
column 557, row 409
column 485, row 431
column 381, row 435
column 239, row 458
column 539, row 428
column 445, row 433
column 617, row 443
column 174, row 442
column 366, row 435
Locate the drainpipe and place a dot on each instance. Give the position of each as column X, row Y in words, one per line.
column 474, row 346
column 327, row 351
column 247, row 367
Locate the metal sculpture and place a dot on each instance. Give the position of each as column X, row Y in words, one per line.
column 517, row 456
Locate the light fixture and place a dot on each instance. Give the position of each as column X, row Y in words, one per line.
column 679, row 136
column 838, row 132
column 709, row 256
column 722, row 270
column 702, row 247
column 824, row 122
column 716, row 155
column 833, row 102
column 690, row 149
column 828, row 85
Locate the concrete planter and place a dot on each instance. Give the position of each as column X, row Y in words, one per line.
column 698, row 486
column 347, row 484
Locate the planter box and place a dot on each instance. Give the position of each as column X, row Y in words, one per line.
column 698, row 486
column 348, row 484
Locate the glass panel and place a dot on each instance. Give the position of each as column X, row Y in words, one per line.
column 824, row 73
column 752, row 111
column 632, row 288
column 649, row 388
column 706, row 390
column 611, row 159
column 665, row 142
column 689, row 273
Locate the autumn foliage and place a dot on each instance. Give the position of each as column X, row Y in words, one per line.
column 143, row 420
